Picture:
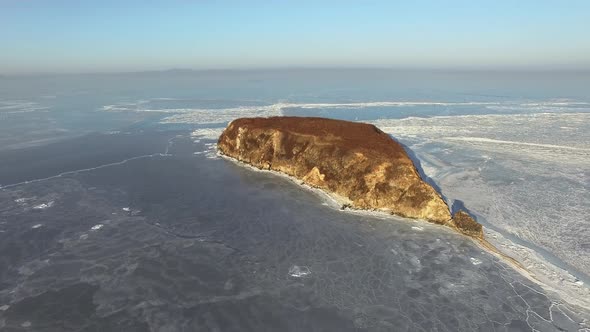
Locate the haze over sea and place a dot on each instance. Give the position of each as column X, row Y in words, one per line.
column 117, row 214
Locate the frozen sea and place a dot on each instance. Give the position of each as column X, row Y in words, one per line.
column 116, row 214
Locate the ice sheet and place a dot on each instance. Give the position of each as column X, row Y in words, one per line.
column 527, row 175
column 520, row 166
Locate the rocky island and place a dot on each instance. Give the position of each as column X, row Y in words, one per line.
column 358, row 164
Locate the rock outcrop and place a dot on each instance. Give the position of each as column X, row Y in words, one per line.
column 357, row 163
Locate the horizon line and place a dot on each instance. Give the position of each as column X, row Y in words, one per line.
column 450, row 69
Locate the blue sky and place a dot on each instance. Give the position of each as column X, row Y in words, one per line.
column 95, row 36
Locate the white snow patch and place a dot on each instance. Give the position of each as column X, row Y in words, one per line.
column 417, row 228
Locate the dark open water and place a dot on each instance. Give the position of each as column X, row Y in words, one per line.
column 185, row 243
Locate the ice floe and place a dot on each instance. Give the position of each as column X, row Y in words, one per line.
column 219, row 115
column 297, row 271
column 207, row 133
column 20, row 106
column 43, row 206
column 474, row 261
column 96, row 227
column 210, row 151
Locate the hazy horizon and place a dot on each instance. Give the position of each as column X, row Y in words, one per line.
column 303, row 69
column 71, row 37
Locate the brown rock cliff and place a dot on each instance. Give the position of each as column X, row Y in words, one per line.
column 355, row 161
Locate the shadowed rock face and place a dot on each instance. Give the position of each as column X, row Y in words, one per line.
column 358, row 163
